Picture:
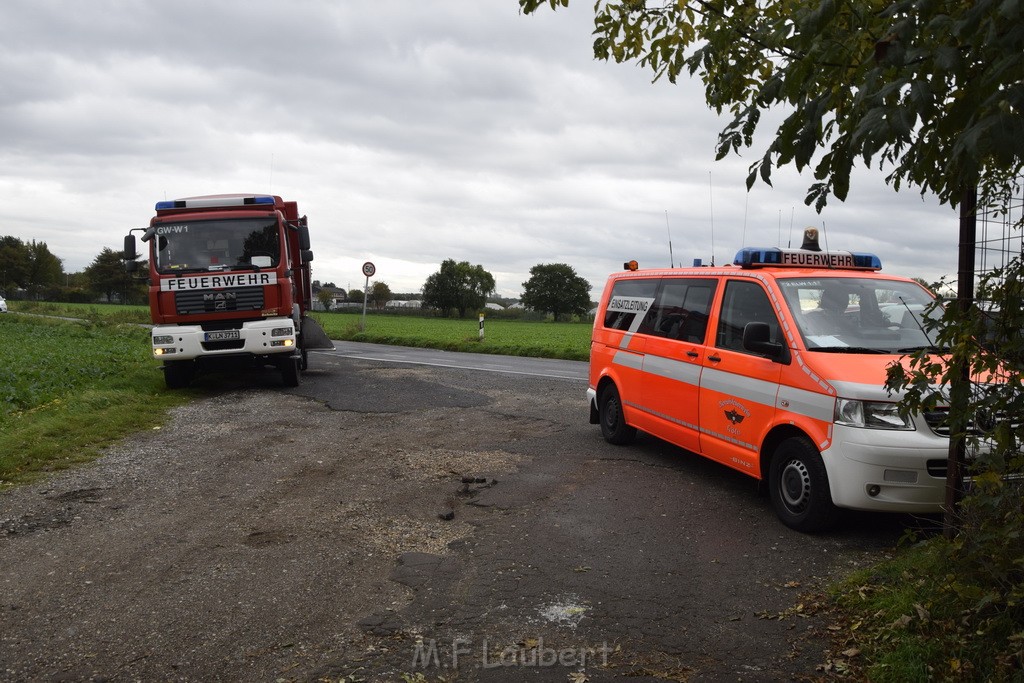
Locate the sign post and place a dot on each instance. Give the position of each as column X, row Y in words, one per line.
column 368, row 270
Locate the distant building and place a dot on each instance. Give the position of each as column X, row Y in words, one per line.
column 339, row 298
column 412, row 303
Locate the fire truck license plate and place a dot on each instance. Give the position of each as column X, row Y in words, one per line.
column 222, row 335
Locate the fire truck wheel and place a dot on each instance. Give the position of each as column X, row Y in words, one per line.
column 178, row 373
column 305, row 360
column 613, row 423
column 290, row 371
column 799, row 488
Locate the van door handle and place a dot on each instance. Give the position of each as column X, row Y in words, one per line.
column 715, row 359
column 692, row 354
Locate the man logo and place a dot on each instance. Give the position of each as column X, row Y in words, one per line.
column 220, row 301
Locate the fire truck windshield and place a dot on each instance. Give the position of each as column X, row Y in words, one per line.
column 230, row 244
column 859, row 315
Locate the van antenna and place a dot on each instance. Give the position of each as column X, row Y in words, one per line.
column 792, row 210
column 746, row 205
column 671, row 259
column 711, row 205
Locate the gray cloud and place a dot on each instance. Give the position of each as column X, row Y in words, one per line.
column 408, row 132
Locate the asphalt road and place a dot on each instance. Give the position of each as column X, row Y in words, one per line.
column 410, row 513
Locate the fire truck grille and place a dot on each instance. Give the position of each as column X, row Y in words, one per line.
column 195, row 302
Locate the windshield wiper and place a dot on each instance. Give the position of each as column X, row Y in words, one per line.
column 178, row 271
column 849, row 349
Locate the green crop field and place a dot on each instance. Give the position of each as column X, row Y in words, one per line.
column 94, row 312
column 69, row 389
column 511, row 337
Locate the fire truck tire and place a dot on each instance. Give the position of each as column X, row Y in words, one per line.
column 613, row 423
column 290, row 371
column 178, row 373
column 798, row 485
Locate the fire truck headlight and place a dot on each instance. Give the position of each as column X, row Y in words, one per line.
column 870, row 415
column 281, row 332
column 163, row 339
column 283, row 342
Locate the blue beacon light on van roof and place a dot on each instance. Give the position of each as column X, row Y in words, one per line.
column 754, row 257
column 809, row 255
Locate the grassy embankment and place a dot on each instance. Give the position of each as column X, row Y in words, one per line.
column 67, row 390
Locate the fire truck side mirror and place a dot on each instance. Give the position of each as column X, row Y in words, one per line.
column 130, row 253
column 304, row 237
column 307, row 255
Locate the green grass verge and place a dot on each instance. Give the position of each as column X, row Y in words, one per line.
column 570, row 341
column 67, row 390
column 924, row 615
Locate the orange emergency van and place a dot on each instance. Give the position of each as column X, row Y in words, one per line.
column 775, row 366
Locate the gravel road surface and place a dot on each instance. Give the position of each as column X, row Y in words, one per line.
column 409, row 519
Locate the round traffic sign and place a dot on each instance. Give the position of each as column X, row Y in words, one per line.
column 369, row 269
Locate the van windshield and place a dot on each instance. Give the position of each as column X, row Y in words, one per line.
column 858, row 315
column 238, row 243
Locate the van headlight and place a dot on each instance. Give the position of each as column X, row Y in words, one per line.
column 870, row 415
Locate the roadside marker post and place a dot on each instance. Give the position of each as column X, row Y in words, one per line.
column 481, row 327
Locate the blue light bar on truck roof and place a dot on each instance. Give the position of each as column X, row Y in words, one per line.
column 214, row 201
column 752, row 257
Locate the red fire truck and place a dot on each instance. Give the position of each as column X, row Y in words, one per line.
column 229, row 279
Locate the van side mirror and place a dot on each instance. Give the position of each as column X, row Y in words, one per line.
column 757, row 337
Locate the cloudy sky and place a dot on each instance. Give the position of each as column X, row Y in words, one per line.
column 409, row 132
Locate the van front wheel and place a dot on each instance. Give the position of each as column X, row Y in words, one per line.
column 799, row 488
column 613, row 423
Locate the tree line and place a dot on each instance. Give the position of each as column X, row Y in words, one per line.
column 31, row 269
column 457, row 288
column 461, row 289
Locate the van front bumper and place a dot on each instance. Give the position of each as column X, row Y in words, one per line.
column 887, row 470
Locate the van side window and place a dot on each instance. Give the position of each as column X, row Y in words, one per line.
column 624, row 291
column 682, row 309
column 744, row 302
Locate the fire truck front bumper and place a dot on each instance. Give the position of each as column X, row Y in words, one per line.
column 257, row 338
